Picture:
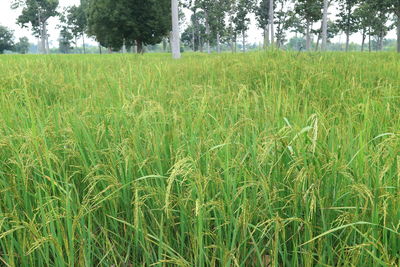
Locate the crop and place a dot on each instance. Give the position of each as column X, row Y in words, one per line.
column 272, row 158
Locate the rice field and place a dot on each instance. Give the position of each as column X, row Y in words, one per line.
column 257, row 159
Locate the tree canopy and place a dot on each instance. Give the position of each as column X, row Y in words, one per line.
column 6, row 39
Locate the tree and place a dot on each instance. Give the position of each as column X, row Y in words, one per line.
column 262, row 17
column 175, row 42
column 76, row 20
column 347, row 21
column 195, row 34
column 271, row 19
column 22, row 46
column 115, row 23
column 217, row 14
column 37, row 13
column 6, row 39
column 379, row 22
column 65, row 40
column 310, row 12
column 241, row 19
column 364, row 15
column 394, row 7
column 107, row 22
column 325, row 24
column 206, row 6
column 284, row 19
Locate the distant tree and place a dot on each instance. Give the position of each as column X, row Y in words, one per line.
column 379, row 23
column 195, row 34
column 205, row 6
column 284, row 20
column 76, row 20
column 309, row 11
column 6, row 39
column 365, row 15
column 117, row 22
column 109, row 27
column 394, row 8
column 296, row 43
column 242, row 19
column 347, row 20
column 217, row 16
column 37, row 13
column 261, row 11
column 22, row 46
column 65, row 40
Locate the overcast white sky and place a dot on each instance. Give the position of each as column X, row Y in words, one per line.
column 8, row 18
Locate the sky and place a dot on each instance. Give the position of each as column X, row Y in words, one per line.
column 8, row 18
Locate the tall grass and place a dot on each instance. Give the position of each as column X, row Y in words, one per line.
column 277, row 159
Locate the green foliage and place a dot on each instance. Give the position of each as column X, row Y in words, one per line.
column 22, row 46
column 347, row 21
column 76, row 20
column 6, row 39
column 309, row 10
column 257, row 159
column 284, row 20
column 262, row 13
column 35, row 11
column 115, row 22
column 198, row 28
column 243, row 8
column 65, row 41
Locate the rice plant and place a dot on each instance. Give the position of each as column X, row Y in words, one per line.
column 260, row 159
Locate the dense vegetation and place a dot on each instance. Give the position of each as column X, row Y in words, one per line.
column 122, row 25
column 227, row 160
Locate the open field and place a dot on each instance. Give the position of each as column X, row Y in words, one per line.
column 227, row 160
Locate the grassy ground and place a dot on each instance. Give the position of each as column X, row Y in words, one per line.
column 234, row 160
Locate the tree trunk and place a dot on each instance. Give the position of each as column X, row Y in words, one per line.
column 139, row 45
column 244, row 41
column 317, row 45
column 194, row 26
column 47, row 44
column 369, row 39
column 176, row 40
column 347, row 41
column 164, row 44
column 218, row 43
column 363, row 40
column 123, row 48
column 398, row 32
column 271, row 21
column 201, row 44
column 325, row 26
column 83, row 43
column 43, row 36
column 235, row 42
column 308, row 37
column 207, row 33
column 193, row 40
column 41, row 33
column 266, row 36
column 42, row 41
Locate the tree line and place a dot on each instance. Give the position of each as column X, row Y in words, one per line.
column 226, row 21
column 132, row 24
